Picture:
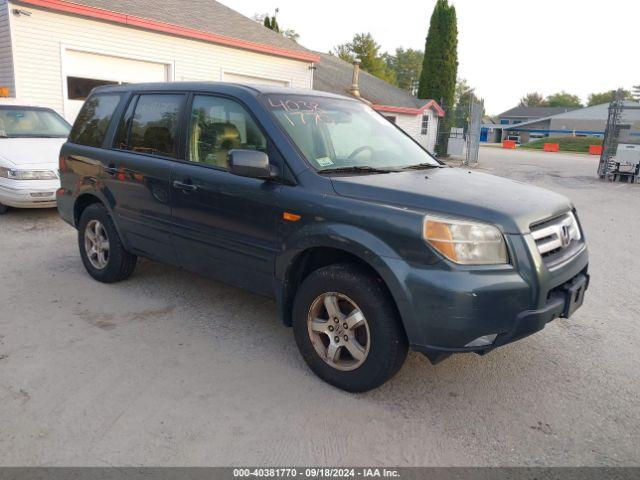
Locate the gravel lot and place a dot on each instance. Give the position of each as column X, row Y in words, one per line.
column 172, row 369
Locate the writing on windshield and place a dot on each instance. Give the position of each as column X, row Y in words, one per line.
column 302, row 111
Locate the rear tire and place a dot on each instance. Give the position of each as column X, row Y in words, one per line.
column 353, row 297
column 101, row 249
column 3, row 209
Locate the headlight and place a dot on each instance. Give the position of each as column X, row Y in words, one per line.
column 28, row 174
column 465, row 242
column 574, row 230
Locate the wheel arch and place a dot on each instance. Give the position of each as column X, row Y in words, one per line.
column 86, row 199
column 337, row 244
column 81, row 204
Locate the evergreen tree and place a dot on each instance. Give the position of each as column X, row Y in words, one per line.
column 274, row 24
column 440, row 64
column 271, row 22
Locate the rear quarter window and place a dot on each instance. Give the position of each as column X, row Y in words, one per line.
column 93, row 120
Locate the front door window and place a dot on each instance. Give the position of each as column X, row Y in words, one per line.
column 218, row 125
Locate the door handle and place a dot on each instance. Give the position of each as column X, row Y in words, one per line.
column 184, row 186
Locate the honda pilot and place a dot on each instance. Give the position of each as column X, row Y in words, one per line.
column 369, row 245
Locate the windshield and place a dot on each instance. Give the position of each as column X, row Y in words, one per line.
column 341, row 134
column 31, row 122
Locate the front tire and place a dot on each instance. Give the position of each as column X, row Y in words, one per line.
column 101, row 249
column 347, row 329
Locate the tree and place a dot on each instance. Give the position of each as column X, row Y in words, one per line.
column 271, row 22
column 607, row 97
column 267, row 22
column 407, row 65
column 440, row 63
column 291, row 34
column 533, row 99
column 563, row 99
column 365, row 48
column 465, row 96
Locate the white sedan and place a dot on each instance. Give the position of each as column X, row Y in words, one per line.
column 30, row 142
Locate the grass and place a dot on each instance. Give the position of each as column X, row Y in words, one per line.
column 567, row 144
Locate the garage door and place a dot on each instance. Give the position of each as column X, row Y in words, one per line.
column 248, row 79
column 85, row 71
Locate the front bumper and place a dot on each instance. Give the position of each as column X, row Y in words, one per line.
column 562, row 302
column 444, row 308
column 29, row 193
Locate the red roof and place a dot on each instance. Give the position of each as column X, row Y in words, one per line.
column 240, row 31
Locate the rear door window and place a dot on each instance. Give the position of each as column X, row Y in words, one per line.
column 93, row 120
column 153, row 127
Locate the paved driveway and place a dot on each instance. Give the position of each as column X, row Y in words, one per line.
column 171, row 369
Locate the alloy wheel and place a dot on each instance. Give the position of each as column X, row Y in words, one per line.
column 338, row 331
column 96, row 244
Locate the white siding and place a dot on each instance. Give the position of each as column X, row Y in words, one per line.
column 412, row 124
column 40, row 40
column 6, row 60
column 240, row 78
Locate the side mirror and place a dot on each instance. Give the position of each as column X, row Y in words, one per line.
column 250, row 163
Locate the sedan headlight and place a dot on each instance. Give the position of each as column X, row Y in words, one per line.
column 466, row 242
column 27, row 174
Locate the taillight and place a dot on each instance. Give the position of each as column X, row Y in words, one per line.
column 62, row 164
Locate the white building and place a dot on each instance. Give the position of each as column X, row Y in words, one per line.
column 419, row 118
column 53, row 52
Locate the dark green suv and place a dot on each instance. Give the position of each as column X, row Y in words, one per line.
column 368, row 244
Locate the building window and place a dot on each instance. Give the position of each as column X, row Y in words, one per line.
column 391, row 118
column 80, row 88
column 424, row 130
column 504, row 121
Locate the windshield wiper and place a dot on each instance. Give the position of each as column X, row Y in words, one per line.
column 423, row 166
column 355, row 169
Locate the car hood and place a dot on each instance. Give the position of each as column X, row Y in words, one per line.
column 509, row 204
column 26, row 152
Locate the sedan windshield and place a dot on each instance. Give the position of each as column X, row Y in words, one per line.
column 31, row 122
column 345, row 135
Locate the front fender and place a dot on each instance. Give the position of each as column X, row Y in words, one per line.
column 356, row 241
column 349, row 238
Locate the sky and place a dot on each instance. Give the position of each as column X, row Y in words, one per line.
column 506, row 48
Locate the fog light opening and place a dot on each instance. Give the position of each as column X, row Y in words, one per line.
column 483, row 341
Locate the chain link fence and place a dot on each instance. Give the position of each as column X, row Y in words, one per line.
column 458, row 135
